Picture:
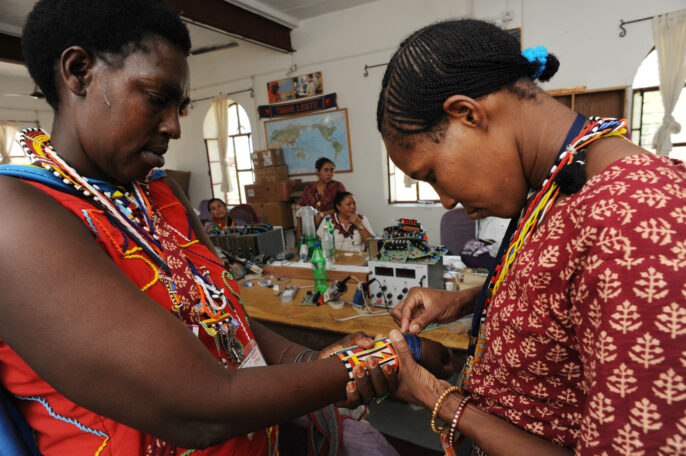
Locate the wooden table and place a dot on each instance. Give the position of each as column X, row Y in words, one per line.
column 314, row 325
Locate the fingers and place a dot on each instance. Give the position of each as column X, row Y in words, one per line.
column 391, row 378
column 377, row 378
column 363, row 340
column 364, row 384
column 412, row 303
column 401, row 348
column 352, row 396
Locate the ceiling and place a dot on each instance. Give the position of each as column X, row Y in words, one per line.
column 289, row 13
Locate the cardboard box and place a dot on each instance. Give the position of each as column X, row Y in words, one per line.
column 269, row 157
column 275, row 213
column 270, row 192
column 271, row 174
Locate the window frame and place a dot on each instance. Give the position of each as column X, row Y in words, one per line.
column 638, row 131
column 389, row 173
column 237, row 172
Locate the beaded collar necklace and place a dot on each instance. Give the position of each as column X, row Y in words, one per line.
column 116, row 203
column 122, row 207
column 217, row 224
column 570, row 161
column 339, row 226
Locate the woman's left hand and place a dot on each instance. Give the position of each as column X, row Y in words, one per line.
column 355, row 220
column 369, row 384
column 415, row 384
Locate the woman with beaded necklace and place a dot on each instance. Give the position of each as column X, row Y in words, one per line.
column 350, row 229
column 577, row 338
column 121, row 331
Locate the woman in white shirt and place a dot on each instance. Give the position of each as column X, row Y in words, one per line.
column 350, row 230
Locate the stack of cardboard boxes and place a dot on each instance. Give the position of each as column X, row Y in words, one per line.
column 270, row 195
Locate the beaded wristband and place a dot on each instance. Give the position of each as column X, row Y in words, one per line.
column 382, row 351
column 456, row 420
column 437, row 407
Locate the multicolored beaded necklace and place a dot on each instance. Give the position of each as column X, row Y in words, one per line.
column 570, row 157
column 132, row 212
column 339, row 226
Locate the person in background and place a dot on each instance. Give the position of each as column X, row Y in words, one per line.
column 320, row 193
column 350, row 229
column 578, row 339
column 220, row 219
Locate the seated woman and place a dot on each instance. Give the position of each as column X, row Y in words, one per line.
column 320, row 193
column 220, row 219
column 121, row 332
column 350, row 230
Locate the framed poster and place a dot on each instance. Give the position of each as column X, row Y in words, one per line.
column 306, row 138
column 303, row 86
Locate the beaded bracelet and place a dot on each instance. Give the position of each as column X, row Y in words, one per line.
column 437, row 407
column 382, row 351
column 456, row 420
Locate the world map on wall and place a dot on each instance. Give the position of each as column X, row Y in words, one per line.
column 307, row 138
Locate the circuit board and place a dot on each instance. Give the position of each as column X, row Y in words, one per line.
column 406, row 242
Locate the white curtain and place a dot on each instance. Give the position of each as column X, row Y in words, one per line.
column 669, row 35
column 220, row 105
column 8, row 131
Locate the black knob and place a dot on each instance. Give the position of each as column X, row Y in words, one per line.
column 404, row 290
column 384, row 287
column 400, row 297
column 389, row 295
column 379, row 294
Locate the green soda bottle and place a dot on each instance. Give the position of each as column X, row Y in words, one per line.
column 319, row 268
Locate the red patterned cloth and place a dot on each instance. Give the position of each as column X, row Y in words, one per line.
column 323, row 202
column 586, row 337
column 65, row 428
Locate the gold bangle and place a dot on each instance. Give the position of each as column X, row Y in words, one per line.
column 437, row 407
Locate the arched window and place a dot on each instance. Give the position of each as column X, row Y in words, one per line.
column 239, row 150
column 647, row 109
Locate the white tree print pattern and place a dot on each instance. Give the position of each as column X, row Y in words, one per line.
column 587, row 334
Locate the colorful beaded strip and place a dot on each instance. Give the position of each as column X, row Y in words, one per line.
column 382, row 351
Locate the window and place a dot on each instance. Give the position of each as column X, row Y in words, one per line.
column 647, row 110
column 399, row 192
column 17, row 155
column 238, row 151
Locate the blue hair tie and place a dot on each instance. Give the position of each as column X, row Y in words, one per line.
column 539, row 54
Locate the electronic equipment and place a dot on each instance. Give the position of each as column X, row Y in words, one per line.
column 288, row 293
column 248, row 241
column 402, row 259
column 335, row 290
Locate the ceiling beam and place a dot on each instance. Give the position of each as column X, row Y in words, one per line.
column 235, row 21
column 10, row 49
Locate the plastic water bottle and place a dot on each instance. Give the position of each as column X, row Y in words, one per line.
column 303, row 253
column 319, row 268
column 327, row 246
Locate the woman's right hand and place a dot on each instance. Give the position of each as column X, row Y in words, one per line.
column 415, row 384
column 429, row 305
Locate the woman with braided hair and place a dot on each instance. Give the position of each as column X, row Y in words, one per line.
column 577, row 341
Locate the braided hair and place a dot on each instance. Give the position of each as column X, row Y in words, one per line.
column 468, row 57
